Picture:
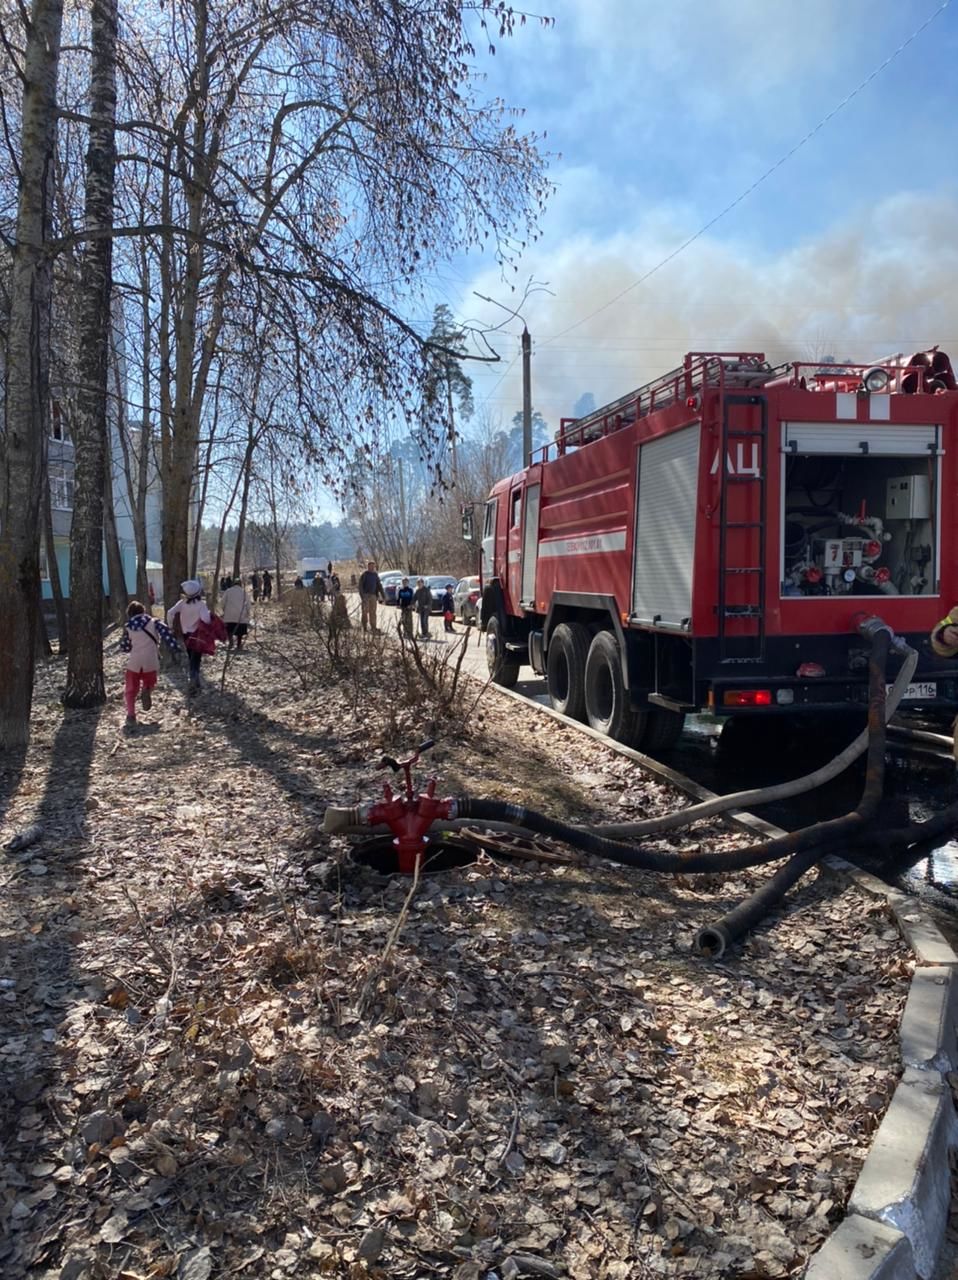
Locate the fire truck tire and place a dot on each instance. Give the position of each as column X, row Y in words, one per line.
column 606, row 699
column 503, row 665
column 663, row 728
column 565, row 668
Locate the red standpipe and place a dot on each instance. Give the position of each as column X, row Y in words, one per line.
column 409, row 816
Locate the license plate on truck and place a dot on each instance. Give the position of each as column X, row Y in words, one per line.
column 921, row 689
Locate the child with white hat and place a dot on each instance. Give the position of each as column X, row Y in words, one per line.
column 183, row 619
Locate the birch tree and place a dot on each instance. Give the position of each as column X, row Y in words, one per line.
column 25, row 405
column 85, row 686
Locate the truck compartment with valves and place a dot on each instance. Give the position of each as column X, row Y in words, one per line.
column 710, row 539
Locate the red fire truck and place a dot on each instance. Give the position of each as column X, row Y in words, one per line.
column 709, row 540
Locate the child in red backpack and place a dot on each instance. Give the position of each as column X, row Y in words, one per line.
column 200, row 629
column 141, row 641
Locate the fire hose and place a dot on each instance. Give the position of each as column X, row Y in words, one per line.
column 782, row 790
column 410, row 817
column 713, row 939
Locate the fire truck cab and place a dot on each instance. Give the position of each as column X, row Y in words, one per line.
column 710, row 540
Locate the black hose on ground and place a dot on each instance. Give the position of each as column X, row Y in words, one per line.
column 758, row 796
column 941, row 823
column 712, row 940
column 819, row 836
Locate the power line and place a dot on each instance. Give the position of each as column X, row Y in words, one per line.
column 758, row 181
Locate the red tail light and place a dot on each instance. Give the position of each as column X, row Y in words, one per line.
column 747, row 698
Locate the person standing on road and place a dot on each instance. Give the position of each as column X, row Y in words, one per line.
column 236, row 613
column 423, row 602
column 267, row 585
column 370, row 594
column 255, row 584
column 448, row 606
column 141, row 642
column 404, row 599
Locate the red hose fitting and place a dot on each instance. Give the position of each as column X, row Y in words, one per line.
column 409, row 818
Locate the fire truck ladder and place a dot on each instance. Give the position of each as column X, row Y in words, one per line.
column 743, row 459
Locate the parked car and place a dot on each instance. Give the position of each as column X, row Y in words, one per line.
column 467, row 597
column 390, row 582
column 437, row 583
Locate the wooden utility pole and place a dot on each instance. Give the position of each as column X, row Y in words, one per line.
column 526, row 395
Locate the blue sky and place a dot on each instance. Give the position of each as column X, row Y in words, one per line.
column 661, row 115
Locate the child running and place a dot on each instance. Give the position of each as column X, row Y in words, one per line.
column 184, row 617
column 141, row 641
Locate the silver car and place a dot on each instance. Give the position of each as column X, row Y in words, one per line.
column 468, row 597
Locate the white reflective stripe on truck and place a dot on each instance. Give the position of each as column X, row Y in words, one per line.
column 587, row 545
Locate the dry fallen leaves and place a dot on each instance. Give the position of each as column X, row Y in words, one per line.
column 215, row 1069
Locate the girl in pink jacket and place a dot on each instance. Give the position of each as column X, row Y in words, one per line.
column 141, row 641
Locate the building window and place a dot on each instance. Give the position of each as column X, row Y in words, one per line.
column 61, row 486
column 58, row 425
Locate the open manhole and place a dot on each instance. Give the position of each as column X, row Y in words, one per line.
column 443, row 853
column 459, row 849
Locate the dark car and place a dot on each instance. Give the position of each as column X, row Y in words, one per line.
column 390, row 583
column 437, row 583
column 467, row 597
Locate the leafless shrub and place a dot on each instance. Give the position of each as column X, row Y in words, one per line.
column 321, row 646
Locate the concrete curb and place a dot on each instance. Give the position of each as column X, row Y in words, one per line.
column 904, row 1184
column 900, row 1183
column 863, row 1250
column 897, row 1215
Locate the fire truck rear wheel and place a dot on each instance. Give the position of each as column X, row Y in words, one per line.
column 663, row 729
column 503, row 665
column 606, row 698
column 565, row 668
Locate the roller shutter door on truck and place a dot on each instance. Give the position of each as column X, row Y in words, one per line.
column 665, row 528
column 841, row 438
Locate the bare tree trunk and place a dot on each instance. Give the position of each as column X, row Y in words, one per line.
column 21, row 474
column 114, row 557
column 85, row 686
column 205, row 472
column 164, row 341
column 247, row 476
column 43, row 639
column 180, row 444
column 53, row 566
column 145, row 448
column 132, row 472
